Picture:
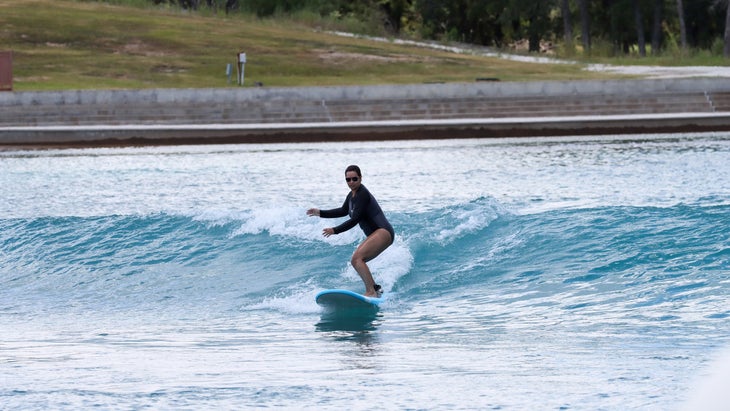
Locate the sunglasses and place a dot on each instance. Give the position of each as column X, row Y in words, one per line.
column 353, row 179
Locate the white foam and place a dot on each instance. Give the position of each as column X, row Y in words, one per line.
column 279, row 221
column 300, row 303
column 710, row 391
column 387, row 269
column 298, row 299
column 395, row 262
column 467, row 219
column 470, row 221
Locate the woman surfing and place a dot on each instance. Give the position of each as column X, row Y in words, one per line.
column 363, row 209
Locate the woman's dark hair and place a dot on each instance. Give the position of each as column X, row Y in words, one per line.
column 355, row 169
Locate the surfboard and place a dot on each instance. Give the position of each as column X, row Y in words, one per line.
column 344, row 300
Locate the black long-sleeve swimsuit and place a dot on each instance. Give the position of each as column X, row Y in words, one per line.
column 363, row 209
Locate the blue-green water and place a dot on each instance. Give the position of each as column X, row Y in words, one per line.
column 526, row 274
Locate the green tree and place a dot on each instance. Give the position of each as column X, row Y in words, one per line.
column 624, row 24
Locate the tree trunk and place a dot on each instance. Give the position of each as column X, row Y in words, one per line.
column 231, row 5
column 585, row 25
column 567, row 25
column 726, row 49
column 639, row 29
column 656, row 32
column 682, row 25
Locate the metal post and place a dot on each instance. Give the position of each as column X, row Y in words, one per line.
column 241, row 67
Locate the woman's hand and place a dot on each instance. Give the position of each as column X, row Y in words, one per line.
column 327, row 231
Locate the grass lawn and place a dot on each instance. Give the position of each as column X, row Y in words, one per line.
column 66, row 44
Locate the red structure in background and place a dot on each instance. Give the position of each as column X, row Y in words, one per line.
column 6, row 70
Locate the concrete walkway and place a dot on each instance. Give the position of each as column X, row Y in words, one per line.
column 303, row 114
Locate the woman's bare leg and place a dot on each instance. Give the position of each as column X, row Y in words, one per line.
column 375, row 244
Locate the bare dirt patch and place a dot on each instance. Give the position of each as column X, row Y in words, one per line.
column 139, row 48
column 341, row 58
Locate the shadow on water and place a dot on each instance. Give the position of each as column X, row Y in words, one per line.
column 351, row 321
column 356, row 336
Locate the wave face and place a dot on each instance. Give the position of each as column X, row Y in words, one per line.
column 609, row 259
column 525, row 274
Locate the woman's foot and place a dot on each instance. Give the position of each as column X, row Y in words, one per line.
column 378, row 291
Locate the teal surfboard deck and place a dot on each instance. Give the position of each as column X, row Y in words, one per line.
column 346, row 300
